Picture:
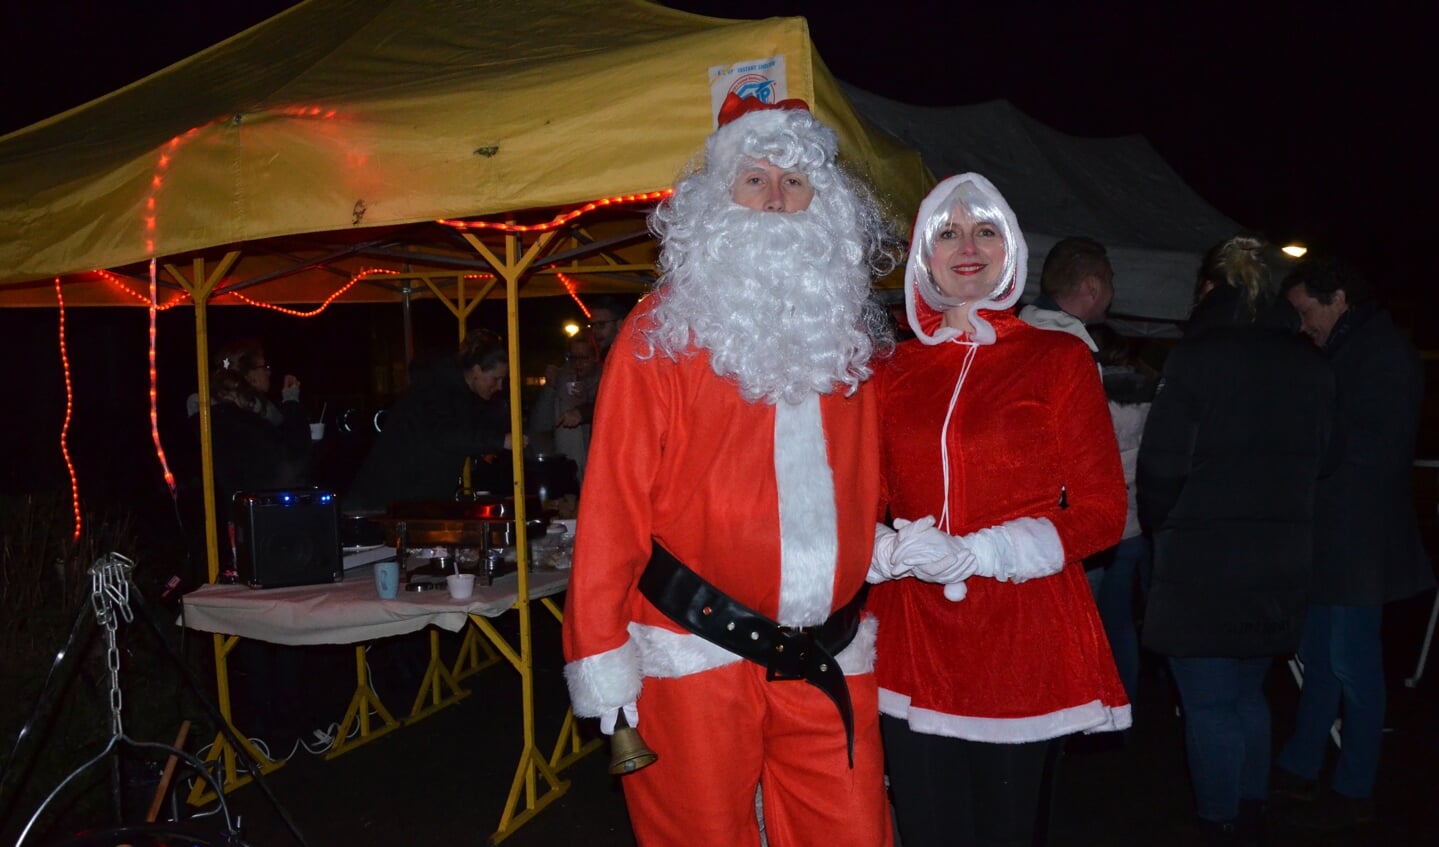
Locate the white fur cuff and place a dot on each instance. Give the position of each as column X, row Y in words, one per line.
column 1037, row 550
column 604, row 681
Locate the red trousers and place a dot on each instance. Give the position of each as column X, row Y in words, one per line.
column 722, row 732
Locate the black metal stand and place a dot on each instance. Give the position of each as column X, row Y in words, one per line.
column 62, row 672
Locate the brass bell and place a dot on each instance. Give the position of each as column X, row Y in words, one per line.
column 628, row 751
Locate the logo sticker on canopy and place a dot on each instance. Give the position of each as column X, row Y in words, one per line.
column 760, row 78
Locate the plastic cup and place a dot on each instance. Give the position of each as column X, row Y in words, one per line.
column 387, row 580
column 317, row 431
column 462, row 585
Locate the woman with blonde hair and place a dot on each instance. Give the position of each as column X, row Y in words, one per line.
column 1231, row 452
column 1001, row 476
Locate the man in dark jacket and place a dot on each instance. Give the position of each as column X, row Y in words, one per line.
column 449, row 414
column 1367, row 549
column 1233, row 446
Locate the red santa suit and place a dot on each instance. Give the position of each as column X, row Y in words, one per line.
column 1007, row 427
column 774, row 504
column 1029, row 437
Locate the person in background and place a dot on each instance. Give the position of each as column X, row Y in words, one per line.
column 251, row 453
column 607, row 314
column 454, row 409
column 1076, row 287
column 1000, row 485
column 560, row 418
column 1367, row 549
column 247, row 358
column 1114, row 573
column 256, row 445
column 1236, row 439
column 726, row 520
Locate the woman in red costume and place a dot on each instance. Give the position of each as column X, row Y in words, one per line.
column 1000, row 463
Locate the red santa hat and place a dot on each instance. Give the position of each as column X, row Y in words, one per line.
column 751, row 128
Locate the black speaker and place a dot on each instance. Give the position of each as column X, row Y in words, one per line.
column 287, row 538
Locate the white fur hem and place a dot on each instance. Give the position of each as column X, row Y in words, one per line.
column 604, row 681
column 667, row 654
column 1088, row 718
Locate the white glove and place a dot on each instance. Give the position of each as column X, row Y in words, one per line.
column 934, row 555
column 882, row 566
column 608, row 719
column 1017, row 550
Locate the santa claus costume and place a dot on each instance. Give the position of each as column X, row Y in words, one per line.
column 1001, row 435
column 726, row 439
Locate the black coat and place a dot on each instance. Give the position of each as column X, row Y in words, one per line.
column 252, row 454
column 427, row 436
column 1367, row 545
column 1235, row 442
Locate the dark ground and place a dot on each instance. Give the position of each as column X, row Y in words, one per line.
column 443, row 779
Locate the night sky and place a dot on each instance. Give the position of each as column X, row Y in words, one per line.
column 1303, row 121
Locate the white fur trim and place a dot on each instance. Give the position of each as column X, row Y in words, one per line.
column 858, row 657
column 1017, row 550
column 604, row 681
column 1037, row 548
column 1088, row 718
column 809, row 536
column 667, row 654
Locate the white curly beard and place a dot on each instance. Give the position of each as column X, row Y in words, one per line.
column 778, row 300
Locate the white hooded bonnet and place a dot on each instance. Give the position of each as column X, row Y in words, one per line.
column 934, row 213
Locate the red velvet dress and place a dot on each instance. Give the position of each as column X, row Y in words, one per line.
column 1029, row 436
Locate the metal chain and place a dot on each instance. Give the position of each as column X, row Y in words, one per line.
column 110, row 598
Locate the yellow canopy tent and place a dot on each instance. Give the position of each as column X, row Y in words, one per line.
column 326, row 146
column 336, row 126
column 411, row 147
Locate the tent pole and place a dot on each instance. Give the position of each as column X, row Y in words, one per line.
column 200, row 286
column 409, row 324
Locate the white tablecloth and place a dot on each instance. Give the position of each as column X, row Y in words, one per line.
column 349, row 611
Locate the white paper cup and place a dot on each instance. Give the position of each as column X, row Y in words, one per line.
column 317, row 431
column 462, row 585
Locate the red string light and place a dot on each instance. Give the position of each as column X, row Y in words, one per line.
column 69, row 407
column 570, row 286
column 562, row 219
column 154, row 394
column 120, row 285
column 162, row 164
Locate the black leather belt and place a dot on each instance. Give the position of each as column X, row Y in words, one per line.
column 787, row 653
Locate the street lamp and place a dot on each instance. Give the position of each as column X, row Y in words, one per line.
column 571, row 329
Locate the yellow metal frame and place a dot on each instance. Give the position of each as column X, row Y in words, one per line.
column 364, row 701
column 440, row 686
column 221, row 750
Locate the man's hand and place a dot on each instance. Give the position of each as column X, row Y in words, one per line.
column 290, row 388
column 569, row 420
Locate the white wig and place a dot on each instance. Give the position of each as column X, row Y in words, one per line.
column 718, row 259
column 977, row 196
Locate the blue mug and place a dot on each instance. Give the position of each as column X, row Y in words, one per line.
column 387, row 579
